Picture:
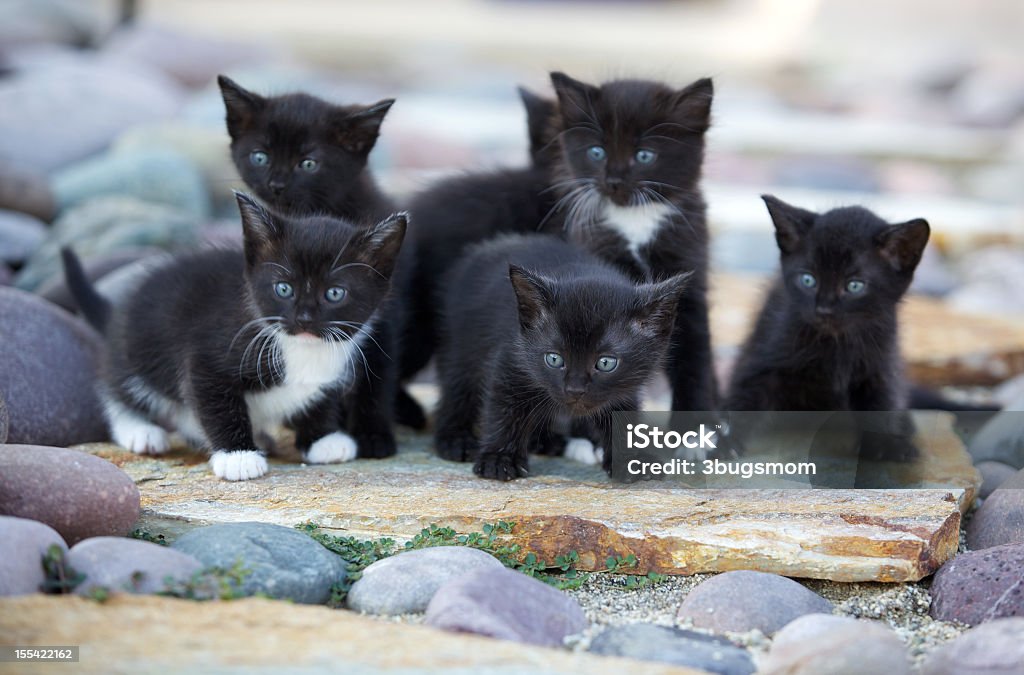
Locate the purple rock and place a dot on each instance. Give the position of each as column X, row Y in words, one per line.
column 744, row 600
column 20, row 236
column 1000, row 520
column 507, row 605
column 131, row 565
column 979, row 586
column 837, row 645
column 993, row 474
column 26, row 192
column 23, row 543
column 3, row 419
column 649, row 642
column 48, row 373
column 77, row 494
column 996, row 648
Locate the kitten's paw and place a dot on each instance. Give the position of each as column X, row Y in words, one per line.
column 238, row 464
column 140, row 436
column 376, row 445
column 582, row 450
column 408, row 411
column 500, row 466
column 456, row 447
column 332, row 448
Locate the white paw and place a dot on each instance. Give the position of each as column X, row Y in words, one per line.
column 599, row 455
column 581, row 450
column 332, row 448
column 238, row 464
column 140, row 436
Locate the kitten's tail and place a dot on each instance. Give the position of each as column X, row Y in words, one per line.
column 94, row 306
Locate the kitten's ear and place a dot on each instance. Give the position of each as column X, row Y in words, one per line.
column 259, row 230
column 902, row 245
column 791, row 222
column 532, row 295
column 656, row 313
column 539, row 113
column 575, row 98
column 359, row 129
column 692, row 105
column 241, row 105
column 378, row 246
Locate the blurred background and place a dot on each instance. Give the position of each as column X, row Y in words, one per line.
column 112, row 133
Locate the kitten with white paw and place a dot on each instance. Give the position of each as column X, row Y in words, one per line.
column 227, row 345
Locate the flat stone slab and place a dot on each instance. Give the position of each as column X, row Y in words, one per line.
column 256, row 635
column 842, row 535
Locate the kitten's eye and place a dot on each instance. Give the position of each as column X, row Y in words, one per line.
column 284, row 289
column 259, row 158
column 808, row 280
column 855, row 286
column 335, row 294
column 554, row 360
column 309, row 165
column 646, row 156
column 607, row 364
column 596, row 153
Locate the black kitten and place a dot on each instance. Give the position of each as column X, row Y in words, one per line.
column 304, row 156
column 226, row 345
column 629, row 180
column 452, row 215
column 536, row 328
column 826, row 338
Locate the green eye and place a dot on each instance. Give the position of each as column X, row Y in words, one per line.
column 596, row 153
column 309, row 165
column 554, row 360
column 335, row 294
column 646, row 156
column 259, row 158
column 855, row 286
column 808, row 280
column 607, row 364
column 284, row 289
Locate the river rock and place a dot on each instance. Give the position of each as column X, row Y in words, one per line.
column 649, row 642
column 993, row 474
column 994, row 648
column 130, row 565
column 75, row 493
column 1001, row 439
column 744, row 600
column 1000, row 520
column 979, row 586
column 23, row 543
column 48, row 373
column 837, row 645
column 406, row 582
column 4, row 420
column 508, row 605
column 65, row 22
column 285, row 563
column 20, row 236
column 26, row 192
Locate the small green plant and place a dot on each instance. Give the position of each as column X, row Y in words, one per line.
column 99, row 594
column 60, row 577
column 146, row 535
column 211, row 583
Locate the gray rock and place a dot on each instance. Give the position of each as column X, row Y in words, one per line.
column 933, row 276
column 1000, row 520
column 104, row 225
column 992, row 281
column 744, row 600
column 507, row 605
column 53, row 115
column 130, row 565
column 1001, row 440
column 5, row 275
column 77, row 494
column 837, row 645
column 48, row 373
column 23, row 543
column 649, row 642
column 828, row 174
column 979, row 586
column 56, row 290
column 27, row 192
column 990, row 97
column 50, row 22
column 160, row 176
column 20, row 236
column 995, row 648
column 993, row 474
column 4, row 420
column 284, row 563
column 406, row 582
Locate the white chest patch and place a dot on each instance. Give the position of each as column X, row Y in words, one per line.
column 637, row 224
column 310, row 367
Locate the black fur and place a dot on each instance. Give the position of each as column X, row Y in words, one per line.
column 626, row 120
column 508, row 304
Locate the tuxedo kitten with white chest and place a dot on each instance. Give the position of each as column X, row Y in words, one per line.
column 304, row 156
column 537, row 329
column 226, row 345
column 628, row 176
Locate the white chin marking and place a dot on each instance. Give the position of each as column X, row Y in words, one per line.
column 238, row 464
column 581, row 450
column 138, row 434
column 332, row 448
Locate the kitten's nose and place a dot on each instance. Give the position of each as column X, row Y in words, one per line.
column 824, row 310
column 574, row 392
column 276, row 187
